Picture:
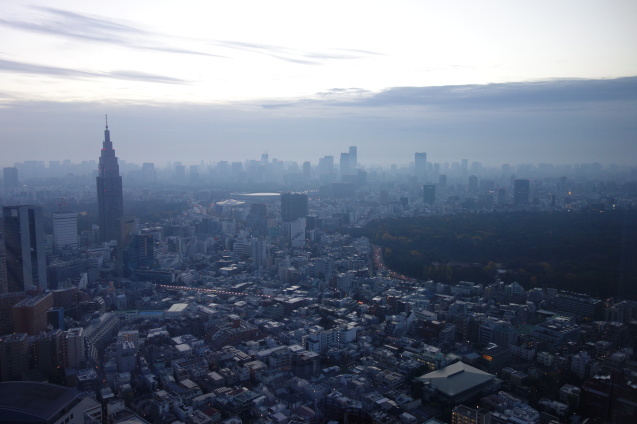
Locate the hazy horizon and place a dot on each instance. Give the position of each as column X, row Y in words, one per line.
column 498, row 82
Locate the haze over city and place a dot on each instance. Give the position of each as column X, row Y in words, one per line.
column 495, row 82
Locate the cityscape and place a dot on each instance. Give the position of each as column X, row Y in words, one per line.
column 284, row 212
column 225, row 303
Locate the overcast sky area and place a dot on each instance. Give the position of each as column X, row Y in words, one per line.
column 539, row 81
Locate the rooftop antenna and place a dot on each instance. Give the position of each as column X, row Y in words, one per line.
column 106, row 121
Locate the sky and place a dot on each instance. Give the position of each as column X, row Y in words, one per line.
column 491, row 81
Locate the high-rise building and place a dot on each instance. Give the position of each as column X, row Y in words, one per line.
column 3, row 269
column 258, row 252
column 420, row 166
column 24, row 247
column 473, row 184
column 149, row 175
column 521, row 192
column 293, row 206
column 138, row 253
column 14, row 356
column 344, row 164
column 353, row 157
column 11, row 177
column 294, row 231
column 442, row 181
column 307, row 170
column 110, row 202
column 65, row 230
column 74, row 348
column 257, row 219
column 429, row 193
column 326, row 165
column 29, row 315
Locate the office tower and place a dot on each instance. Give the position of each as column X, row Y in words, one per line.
column 24, row 248
column 353, row 157
column 29, row 315
column 257, row 219
column 149, row 175
column 326, row 165
column 180, row 172
column 138, row 253
column 7, row 301
column 258, row 252
column 46, row 352
column 14, row 356
column 344, row 164
column 429, row 193
column 110, row 203
column 442, row 181
column 75, row 348
column 420, row 167
column 473, row 184
column 465, row 167
column 65, row 230
column 11, row 177
column 307, row 170
column 294, row 232
column 3, row 269
column 293, row 206
column 521, row 192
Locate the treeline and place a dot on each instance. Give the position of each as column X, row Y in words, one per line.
column 589, row 252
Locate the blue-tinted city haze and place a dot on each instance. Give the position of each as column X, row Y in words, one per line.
column 498, row 82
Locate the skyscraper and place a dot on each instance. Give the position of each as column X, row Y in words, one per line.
column 353, row 157
column 429, row 193
column 24, row 247
column 110, row 203
column 11, row 177
column 3, row 269
column 521, row 192
column 65, row 230
column 345, row 164
column 421, row 166
column 293, row 206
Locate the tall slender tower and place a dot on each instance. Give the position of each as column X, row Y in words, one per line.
column 420, row 167
column 110, row 203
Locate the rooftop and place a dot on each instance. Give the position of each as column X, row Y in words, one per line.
column 22, row 401
column 456, row 378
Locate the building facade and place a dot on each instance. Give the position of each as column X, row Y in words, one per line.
column 24, row 248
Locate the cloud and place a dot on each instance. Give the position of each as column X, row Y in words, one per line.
column 294, row 55
column 64, row 23
column 562, row 93
column 28, row 68
column 68, row 24
column 521, row 94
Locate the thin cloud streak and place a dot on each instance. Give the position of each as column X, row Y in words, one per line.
column 91, row 29
column 292, row 55
column 51, row 71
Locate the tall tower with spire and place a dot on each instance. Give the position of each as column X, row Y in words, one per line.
column 110, row 202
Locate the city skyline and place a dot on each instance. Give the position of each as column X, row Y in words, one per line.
column 501, row 83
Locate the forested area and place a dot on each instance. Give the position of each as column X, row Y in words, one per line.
column 588, row 252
